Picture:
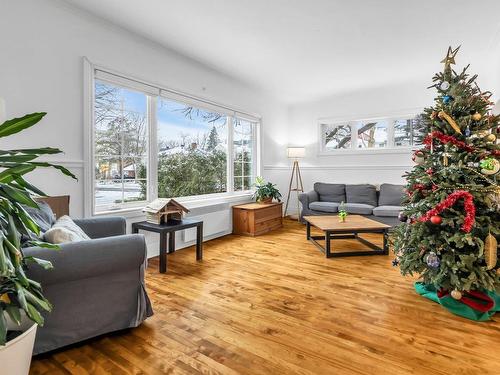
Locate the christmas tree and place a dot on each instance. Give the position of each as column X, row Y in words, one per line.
column 451, row 217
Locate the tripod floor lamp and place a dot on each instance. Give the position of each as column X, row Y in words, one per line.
column 295, row 153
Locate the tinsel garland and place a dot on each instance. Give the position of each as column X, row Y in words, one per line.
column 444, row 139
column 470, row 209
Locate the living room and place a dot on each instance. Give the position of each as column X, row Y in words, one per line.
column 178, row 121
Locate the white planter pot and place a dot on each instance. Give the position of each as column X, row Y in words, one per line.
column 15, row 356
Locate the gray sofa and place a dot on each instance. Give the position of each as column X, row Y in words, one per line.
column 96, row 286
column 383, row 205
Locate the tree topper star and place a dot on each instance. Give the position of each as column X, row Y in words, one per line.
column 450, row 56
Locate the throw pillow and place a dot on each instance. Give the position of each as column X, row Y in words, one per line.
column 42, row 215
column 65, row 230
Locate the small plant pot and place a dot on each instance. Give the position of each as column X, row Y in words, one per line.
column 266, row 201
column 15, row 355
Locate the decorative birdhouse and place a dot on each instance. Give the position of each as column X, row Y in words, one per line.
column 160, row 211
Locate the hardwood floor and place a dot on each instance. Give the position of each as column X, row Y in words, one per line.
column 274, row 305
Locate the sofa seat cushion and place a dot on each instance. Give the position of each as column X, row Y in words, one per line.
column 391, row 195
column 324, row 206
column 359, row 208
column 330, row 192
column 364, row 194
column 392, row 211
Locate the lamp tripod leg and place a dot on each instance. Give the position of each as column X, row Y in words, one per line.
column 289, row 189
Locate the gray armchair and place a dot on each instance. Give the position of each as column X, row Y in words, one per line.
column 96, row 286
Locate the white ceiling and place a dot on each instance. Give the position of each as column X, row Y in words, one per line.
column 302, row 50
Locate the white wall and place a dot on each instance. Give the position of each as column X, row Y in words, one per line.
column 41, row 69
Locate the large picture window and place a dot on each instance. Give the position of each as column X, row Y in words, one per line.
column 192, row 150
column 120, row 145
column 149, row 143
column 375, row 134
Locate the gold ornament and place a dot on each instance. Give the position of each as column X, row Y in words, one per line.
column 491, row 138
column 449, row 120
column 445, row 159
column 490, row 251
column 476, row 116
column 433, row 115
column 5, row 298
column 456, row 294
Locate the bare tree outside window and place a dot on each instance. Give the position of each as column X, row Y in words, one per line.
column 337, row 136
column 406, row 132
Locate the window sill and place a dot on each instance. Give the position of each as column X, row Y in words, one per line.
column 190, row 203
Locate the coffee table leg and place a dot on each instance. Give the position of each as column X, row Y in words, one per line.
column 163, row 252
column 171, row 242
column 308, row 230
column 199, row 242
column 328, row 253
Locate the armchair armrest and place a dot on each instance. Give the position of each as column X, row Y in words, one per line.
column 85, row 259
column 309, row 197
column 99, row 227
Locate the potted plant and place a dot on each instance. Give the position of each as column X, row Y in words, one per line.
column 342, row 212
column 266, row 192
column 21, row 299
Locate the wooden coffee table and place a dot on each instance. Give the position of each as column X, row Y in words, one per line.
column 353, row 225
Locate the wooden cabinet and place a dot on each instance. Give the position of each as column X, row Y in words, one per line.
column 253, row 219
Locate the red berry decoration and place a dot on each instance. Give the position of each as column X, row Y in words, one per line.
column 436, row 219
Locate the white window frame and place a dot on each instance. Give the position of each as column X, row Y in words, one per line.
column 154, row 93
column 352, row 123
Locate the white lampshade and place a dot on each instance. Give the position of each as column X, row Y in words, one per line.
column 2, row 111
column 296, row 152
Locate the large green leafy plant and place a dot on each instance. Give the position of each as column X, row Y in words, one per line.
column 265, row 190
column 17, row 292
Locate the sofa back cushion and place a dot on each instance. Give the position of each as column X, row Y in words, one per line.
column 364, row 193
column 390, row 195
column 330, row 192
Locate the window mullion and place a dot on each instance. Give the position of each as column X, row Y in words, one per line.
column 152, row 152
column 354, row 135
column 230, row 154
column 390, row 132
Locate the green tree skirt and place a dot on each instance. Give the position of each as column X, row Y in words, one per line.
column 459, row 307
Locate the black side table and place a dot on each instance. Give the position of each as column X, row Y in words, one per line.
column 169, row 229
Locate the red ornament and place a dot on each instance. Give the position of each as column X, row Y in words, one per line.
column 436, row 220
column 469, row 208
column 429, row 171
